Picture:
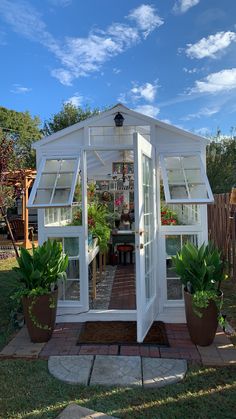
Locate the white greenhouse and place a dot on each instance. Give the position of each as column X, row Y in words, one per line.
column 148, row 179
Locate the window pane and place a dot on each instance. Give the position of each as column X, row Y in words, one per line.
column 73, row 269
column 64, row 180
column 71, row 246
column 61, row 196
column 178, row 192
column 193, row 175
column 174, row 289
column 68, row 165
column 51, row 166
column 173, row 245
column 43, row 196
column 198, row 191
column 69, row 290
column 47, row 180
column 176, row 176
column 173, row 163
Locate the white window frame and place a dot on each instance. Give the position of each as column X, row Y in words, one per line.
column 69, row 202
column 168, row 198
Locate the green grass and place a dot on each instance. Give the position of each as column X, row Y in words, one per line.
column 28, row 391
column 8, row 284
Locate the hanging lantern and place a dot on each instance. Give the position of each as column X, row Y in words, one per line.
column 119, row 119
column 233, row 196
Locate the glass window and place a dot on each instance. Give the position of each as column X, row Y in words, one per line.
column 55, row 183
column 185, row 180
column 69, row 289
column 174, row 244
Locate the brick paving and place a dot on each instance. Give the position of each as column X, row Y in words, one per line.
column 65, row 336
column 123, row 295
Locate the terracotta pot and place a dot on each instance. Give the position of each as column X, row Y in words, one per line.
column 202, row 330
column 40, row 316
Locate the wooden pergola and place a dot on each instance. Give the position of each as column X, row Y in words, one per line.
column 22, row 180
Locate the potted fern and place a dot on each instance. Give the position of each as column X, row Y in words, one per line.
column 201, row 270
column 38, row 273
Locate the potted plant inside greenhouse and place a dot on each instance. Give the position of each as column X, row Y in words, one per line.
column 201, row 270
column 38, row 272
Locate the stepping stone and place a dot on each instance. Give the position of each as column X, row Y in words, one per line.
column 159, row 372
column 117, row 371
column 74, row 411
column 71, row 369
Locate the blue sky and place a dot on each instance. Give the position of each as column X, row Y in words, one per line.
column 171, row 59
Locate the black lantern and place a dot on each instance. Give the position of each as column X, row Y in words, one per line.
column 119, row 119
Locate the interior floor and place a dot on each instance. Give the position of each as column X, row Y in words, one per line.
column 115, row 289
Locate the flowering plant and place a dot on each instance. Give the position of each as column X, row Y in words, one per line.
column 168, row 217
column 119, row 201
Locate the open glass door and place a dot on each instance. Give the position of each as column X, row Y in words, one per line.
column 145, row 240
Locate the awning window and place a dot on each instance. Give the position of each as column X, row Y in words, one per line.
column 55, row 182
column 185, row 179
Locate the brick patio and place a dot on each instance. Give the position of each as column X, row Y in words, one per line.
column 65, row 336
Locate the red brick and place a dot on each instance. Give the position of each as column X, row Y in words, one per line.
column 129, row 350
column 154, row 352
column 89, row 350
column 144, row 350
column 113, row 349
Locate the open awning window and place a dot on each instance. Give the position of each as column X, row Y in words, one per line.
column 185, row 179
column 55, row 183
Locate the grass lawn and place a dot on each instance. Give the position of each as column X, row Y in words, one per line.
column 8, row 284
column 28, row 391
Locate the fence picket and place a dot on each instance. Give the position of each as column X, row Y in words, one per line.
column 222, row 229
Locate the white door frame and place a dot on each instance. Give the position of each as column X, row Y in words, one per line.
column 146, row 309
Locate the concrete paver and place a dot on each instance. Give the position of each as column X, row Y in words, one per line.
column 159, row 372
column 74, row 411
column 71, row 369
column 22, row 347
column 117, row 370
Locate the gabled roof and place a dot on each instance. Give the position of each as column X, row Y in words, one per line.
column 144, row 119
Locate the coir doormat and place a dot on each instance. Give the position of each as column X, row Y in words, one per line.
column 119, row 333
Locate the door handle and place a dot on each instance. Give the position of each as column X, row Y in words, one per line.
column 141, row 246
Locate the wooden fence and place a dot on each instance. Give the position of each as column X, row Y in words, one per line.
column 222, row 229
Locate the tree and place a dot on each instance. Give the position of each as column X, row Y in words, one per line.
column 8, row 192
column 221, row 164
column 23, row 130
column 68, row 115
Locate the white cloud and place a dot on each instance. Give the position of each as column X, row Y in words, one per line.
column 210, row 46
column 223, row 81
column 116, row 70
column 64, row 76
column 190, row 70
column 204, row 131
column 60, row 3
column 76, row 100
column 182, row 6
column 18, row 89
column 146, row 18
column 203, row 112
column 167, row 121
column 146, row 91
column 80, row 56
column 148, row 110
